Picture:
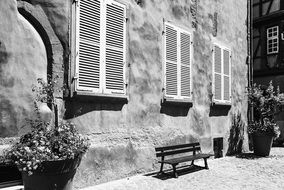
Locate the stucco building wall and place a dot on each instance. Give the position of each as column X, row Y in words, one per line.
column 22, row 60
column 124, row 133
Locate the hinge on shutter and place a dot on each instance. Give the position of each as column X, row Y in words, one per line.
column 163, row 95
column 76, row 77
column 75, row 1
column 126, row 19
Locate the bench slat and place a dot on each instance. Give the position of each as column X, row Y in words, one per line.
column 177, row 146
column 177, row 151
column 185, row 158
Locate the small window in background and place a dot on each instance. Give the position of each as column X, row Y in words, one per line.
column 221, row 75
column 272, row 40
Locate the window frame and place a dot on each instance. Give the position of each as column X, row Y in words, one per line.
column 273, row 37
column 222, row 101
column 102, row 91
column 179, row 97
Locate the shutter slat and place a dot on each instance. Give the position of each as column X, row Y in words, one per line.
column 88, row 70
column 117, row 19
column 113, row 32
column 89, row 25
column 87, row 3
column 116, row 10
column 87, row 15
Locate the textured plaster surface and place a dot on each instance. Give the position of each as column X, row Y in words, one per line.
column 22, row 61
column 124, row 135
column 140, row 123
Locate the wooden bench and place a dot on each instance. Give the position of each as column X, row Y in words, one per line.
column 177, row 153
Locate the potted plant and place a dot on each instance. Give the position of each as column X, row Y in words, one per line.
column 266, row 103
column 50, row 153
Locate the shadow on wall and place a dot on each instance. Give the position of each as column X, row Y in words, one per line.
column 4, row 57
column 76, row 106
column 219, row 110
column 8, row 120
column 236, row 137
column 174, row 109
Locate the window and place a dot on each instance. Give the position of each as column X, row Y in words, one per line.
column 221, row 74
column 272, row 40
column 177, row 62
column 100, row 46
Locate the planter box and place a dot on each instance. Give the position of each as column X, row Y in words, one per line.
column 262, row 144
column 53, row 175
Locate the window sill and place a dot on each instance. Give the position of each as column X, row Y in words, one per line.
column 178, row 102
column 272, row 53
column 89, row 96
column 220, row 103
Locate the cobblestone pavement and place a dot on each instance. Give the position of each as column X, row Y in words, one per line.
column 243, row 172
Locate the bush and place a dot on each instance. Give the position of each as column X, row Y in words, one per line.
column 46, row 143
column 266, row 104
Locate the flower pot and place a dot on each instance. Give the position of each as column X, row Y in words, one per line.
column 53, row 175
column 262, row 144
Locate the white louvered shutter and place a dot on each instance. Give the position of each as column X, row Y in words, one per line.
column 217, row 73
column 115, row 48
column 171, row 61
column 88, row 45
column 226, row 76
column 185, row 45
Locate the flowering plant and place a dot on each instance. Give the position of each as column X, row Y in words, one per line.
column 46, row 142
column 266, row 104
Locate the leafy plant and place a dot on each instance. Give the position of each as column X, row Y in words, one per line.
column 45, row 141
column 266, row 104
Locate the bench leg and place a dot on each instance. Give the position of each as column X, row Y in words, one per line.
column 205, row 162
column 175, row 171
column 161, row 169
column 192, row 162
